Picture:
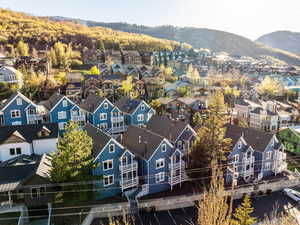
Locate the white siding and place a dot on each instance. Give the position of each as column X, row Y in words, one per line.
column 45, row 146
column 5, row 153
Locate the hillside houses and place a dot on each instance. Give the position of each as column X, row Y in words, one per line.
column 10, row 75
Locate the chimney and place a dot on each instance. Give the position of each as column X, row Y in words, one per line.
column 140, row 139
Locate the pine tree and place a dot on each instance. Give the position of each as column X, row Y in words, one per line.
column 73, row 159
column 242, row 213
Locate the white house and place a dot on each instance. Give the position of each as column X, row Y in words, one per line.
column 10, row 75
column 27, row 140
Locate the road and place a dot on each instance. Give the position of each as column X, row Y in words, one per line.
column 263, row 205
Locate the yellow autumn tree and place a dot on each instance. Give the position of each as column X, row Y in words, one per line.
column 127, row 85
column 269, row 87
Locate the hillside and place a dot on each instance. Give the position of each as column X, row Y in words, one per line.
column 285, row 40
column 42, row 32
column 201, row 38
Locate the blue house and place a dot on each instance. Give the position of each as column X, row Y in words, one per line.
column 255, row 155
column 136, row 111
column 139, row 162
column 19, row 110
column 103, row 114
column 61, row 110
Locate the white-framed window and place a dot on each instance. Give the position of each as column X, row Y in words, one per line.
column 239, row 145
column 111, row 148
column 15, row 113
column 108, row 180
column 75, row 113
column 142, row 107
column 38, row 192
column 160, row 163
column 103, row 116
column 64, row 103
column 31, row 111
column 15, row 151
column 236, row 158
column 19, row 101
column 268, row 166
column 140, row 117
column 163, row 147
column 179, row 144
column 103, row 125
column 160, row 177
column 108, row 164
column 17, row 123
column 62, row 115
column 62, row 125
column 269, row 155
column 105, row 105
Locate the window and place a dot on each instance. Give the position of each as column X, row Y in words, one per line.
column 62, row 125
column 108, row 180
column 236, row 158
column 111, row 148
column 103, row 126
column 12, row 151
column 160, row 163
column 17, row 123
column 239, row 144
column 20, row 194
column 34, row 192
column 75, row 113
column 62, row 115
column 42, row 191
column 19, row 101
column 15, row 114
column 248, row 167
column 108, row 164
column 105, row 105
column 269, row 155
column 140, row 117
column 143, row 107
column 160, row 177
column 179, row 144
column 103, row 116
column 65, row 103
column 248, row 154
column 18, row 150
column 268, row 166
column 31, row 112
column 163, row 147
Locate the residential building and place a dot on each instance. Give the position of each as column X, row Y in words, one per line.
column 26, row 179
column 10, row 75
column 92, row 84
column 74, row 91
column 255, row 155
column 131, row 58
column 136, row 111
column 27, row 140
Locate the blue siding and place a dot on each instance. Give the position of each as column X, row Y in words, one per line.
column 96, row 115
column 142, row 109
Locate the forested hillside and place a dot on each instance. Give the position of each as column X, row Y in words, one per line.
column 41, row 33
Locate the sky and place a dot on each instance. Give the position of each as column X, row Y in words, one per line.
column 249, row 18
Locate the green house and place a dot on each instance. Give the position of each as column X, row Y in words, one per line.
column 290, row 137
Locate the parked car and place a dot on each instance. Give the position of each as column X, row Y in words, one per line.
column 295, row 195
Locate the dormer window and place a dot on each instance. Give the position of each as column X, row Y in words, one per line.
column 105, row 105
column 143, row 107
column 239, row 145
column 19, row 101
column 236, row 158
column 65, row 103
column 111, row 148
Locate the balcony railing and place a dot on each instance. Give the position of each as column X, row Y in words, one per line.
column 33, row 118
column 78, row 118
column 130, row 182
column 118, row 119
column 129, row 167
column 118, row 129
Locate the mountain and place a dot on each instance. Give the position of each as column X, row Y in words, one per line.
column 41, row 33
column 285, row 40
column 202, row 38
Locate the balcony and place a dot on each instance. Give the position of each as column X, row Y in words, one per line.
column 118, row 119
column 78, row 118
column 248, row 160
column 118, row 129
column 128, row 183
column 128, row 167
column 34, row 118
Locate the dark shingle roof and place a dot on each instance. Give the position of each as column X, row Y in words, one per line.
column 141, row 142
column 242, row 102
column 8, row 100
column 127, row 105
column 18, row 170
column 92, row 102
column 257, row 139
column 100, row 138
column 29, row 132
column 259, row 110
column 166, row 127
column 52, row 101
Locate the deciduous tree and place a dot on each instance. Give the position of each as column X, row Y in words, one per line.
column 94, row 70
column 242, row 215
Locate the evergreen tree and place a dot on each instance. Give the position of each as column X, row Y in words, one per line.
column 94, row 70
column 73, row 159
column 242, row 213
column 5, row 91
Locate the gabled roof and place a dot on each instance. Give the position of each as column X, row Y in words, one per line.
column 18, row 170
column 53, row 100
column 92, row 102
column 100, row 139
column 166, row 127
column 8, row 101
column 257, row 139
column 128, row 105
column 140, row 141
column 28, row 133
